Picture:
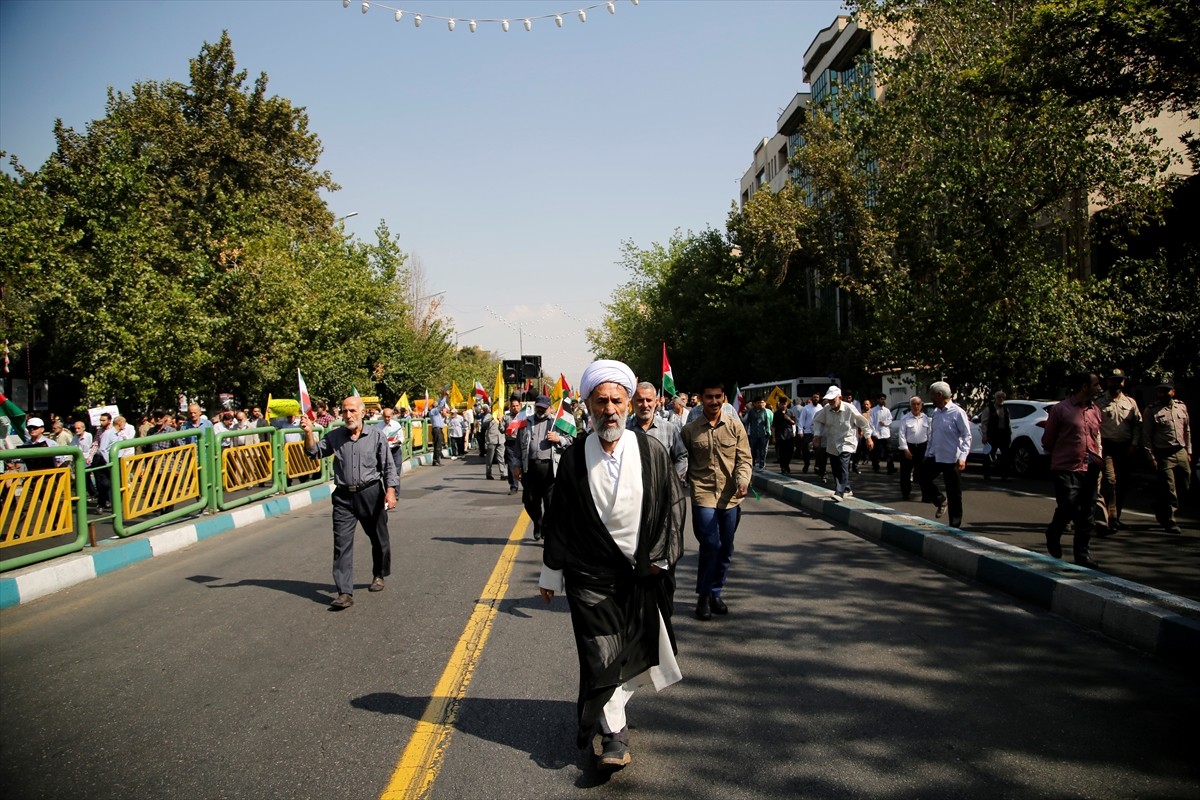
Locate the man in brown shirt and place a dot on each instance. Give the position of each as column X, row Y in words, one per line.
column 1167, row 434
column 719, row 469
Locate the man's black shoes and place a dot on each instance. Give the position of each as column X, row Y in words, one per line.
column 704, row 607
column 717, row 605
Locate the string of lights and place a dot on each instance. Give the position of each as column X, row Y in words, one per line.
column 523, row 328
column 473, row 24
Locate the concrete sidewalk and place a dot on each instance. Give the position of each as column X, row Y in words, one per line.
column 1148, row 619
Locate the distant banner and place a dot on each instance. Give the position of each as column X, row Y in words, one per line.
column 94, row 414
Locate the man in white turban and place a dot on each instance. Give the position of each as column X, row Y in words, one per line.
column 613, row 535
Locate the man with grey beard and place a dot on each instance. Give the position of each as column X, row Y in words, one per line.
column 655, row 426
column 614, row 534
column 361, row 463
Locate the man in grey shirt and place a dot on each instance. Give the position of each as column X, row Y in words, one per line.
column 361, row 461
column 665, row 431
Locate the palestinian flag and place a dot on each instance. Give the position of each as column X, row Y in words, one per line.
column 16, row 417
column 668, row 378
column 306, row 407
column 564, row 419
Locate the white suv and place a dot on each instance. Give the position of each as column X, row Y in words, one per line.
column 1028, row 421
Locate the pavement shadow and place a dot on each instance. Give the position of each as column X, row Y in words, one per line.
column 542, row 728
column 493, row 540
column 317, row 592
column 832, row 661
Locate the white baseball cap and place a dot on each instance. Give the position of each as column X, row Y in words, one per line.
column 34, row 422
column 834, row 391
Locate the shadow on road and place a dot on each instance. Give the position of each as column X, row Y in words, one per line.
column 538, row 727
column 317, row 592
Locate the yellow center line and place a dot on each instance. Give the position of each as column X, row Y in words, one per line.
column 422, row 758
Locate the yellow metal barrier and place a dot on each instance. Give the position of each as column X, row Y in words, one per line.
column 247, row 465
column 152, row 481
column 35, row 505
column 298, row 462
column 418, row 435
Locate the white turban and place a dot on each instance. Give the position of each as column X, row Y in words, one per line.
column 606, row 371
column 941, row 387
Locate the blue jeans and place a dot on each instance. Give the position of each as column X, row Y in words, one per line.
column 839, row 465
column 758, row 450
column 714, row 529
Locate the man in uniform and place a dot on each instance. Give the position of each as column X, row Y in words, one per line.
column 1167, row 435
column 614, row 534
column 362, row 467
column 1120, row 436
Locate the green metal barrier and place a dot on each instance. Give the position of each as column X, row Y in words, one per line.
column 197, row 473
column 143, row 483
column 37, row 504
column 248, row 461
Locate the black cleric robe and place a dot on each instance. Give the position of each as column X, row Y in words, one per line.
column 615, row 605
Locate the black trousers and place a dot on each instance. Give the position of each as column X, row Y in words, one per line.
column 350, row 509
column 953, row 481
column 822, row 456
column 439, row 441
column 882, row 451
column 783, row 450
column 804, row 448
column 539, row 486
column 1075, row 493
column 914, row 467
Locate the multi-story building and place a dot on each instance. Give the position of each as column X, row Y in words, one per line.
column 771, row 156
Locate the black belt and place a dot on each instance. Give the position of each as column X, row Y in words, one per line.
column 360, row 487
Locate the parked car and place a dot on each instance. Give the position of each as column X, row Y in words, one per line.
column 1028, row 421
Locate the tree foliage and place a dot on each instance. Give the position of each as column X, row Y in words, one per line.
column 180, row 245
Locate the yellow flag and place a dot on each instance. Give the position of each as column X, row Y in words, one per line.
column 776, row 395
column 456, row 396
column 498, row 395
column 268, row 406
column 403, row 402
column 557, row 392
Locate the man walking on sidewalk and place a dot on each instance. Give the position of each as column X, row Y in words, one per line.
column 1072, row 441
column 946, row 454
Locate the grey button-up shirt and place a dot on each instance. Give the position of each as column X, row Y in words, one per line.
column 358, row 462
column 668, row 433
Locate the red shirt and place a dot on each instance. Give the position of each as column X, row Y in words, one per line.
column 1072, row 435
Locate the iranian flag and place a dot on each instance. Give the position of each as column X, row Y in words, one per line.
column 668, row 378
column 481, row 395
column 739, row 402
column 306, row 407
column 564, row 420
column 518, row 422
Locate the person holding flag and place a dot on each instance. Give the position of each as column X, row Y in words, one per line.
column 540, row 446
column 511, row 423
column 366, row 481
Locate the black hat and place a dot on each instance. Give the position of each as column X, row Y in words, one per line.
column 1167, row 386
column 1117, row 374
column 542, row 402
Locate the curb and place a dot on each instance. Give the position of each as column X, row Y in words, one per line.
column 1142, row 617
column 38, row 580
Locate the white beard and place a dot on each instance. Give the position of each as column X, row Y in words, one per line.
column 609, row 433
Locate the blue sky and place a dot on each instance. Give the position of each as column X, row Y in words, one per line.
column 512, row 165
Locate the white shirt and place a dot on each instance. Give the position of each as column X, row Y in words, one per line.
column 836, row 427
column 881, row 421
column 913, row 430
column 804, row 417
column 949, row 435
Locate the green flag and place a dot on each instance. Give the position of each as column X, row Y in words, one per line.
column 16, row 417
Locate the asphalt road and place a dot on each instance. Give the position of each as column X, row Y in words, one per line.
column 845, row 669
